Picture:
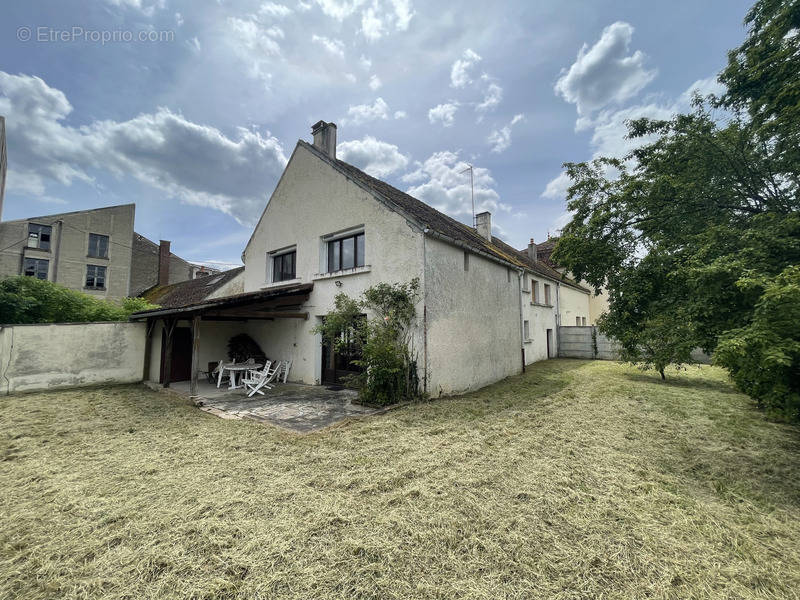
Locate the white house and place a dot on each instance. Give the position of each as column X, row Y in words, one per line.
column 486, row 309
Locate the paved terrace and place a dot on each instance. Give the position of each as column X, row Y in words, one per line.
column 301, row 408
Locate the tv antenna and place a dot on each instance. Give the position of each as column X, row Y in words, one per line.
column 471, row 191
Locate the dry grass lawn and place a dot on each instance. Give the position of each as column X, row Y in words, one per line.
column 575, row 480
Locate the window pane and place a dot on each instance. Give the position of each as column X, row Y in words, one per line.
column 34, row 267
column 104, row 246
column 100, row 277
column 333, row 255
column 360, row 250
column 89, row 276
column 277, row 268
column 348, row 253
column 98, row 245
column 289, row 265
column 39, row 236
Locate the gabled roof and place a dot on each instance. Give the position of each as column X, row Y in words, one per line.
column 189, row 292
column 545, row 250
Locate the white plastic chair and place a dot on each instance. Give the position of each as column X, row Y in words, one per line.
column 220, row 369
column 284, row 375
column 256, row 380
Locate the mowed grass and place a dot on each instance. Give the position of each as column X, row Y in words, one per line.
column 574, row 480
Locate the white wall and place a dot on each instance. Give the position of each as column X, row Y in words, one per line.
column 313, row 200
column 47, row 356
column 473, row 320
column 572, row 303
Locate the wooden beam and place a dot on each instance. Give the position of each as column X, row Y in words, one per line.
column 195, row 355
column 148, row 343
column 260, row 314
column 169, row 328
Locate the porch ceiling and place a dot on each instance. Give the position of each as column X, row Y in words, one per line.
column 275, row 303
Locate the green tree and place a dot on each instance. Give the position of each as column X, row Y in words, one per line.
column 31, row 300
column 384, row 340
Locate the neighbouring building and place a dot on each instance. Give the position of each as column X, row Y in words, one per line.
column 93, row 251
column 576, row 311
column 485, row 310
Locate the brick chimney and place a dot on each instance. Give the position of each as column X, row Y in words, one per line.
column 532, row 251
column 163, row 262
column 483, row 223
column 325, row 137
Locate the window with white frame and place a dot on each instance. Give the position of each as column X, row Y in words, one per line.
column 345, row 252
column 284, row 265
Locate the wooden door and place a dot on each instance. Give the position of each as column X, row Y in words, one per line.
column 181, row 369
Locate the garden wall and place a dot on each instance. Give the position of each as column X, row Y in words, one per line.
column 62, row 355
column 585, row 342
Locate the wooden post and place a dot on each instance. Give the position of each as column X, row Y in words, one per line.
column 169, row 328
column 195, row 355
column 148, row 342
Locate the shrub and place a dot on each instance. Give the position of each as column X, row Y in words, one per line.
column 30, row 300
column 763, row 357
column 388, row 361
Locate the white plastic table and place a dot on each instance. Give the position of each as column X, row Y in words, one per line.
column 236, row 368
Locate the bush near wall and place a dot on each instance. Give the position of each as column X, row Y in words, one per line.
column 30, row 300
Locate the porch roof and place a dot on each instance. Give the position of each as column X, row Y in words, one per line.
column 275, row 302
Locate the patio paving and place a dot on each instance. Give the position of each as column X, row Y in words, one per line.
column 294, row 406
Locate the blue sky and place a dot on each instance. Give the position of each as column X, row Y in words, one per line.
column 191, row 109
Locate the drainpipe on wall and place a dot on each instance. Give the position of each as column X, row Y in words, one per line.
column 57, row 254
column 521, row 325
column 424, row 312
column 558, row 314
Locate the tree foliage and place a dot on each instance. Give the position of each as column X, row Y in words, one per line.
column 384, row 340
column 31, row 300
column 694, row 230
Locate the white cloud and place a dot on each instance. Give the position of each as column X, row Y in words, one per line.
column 361, row 113
column 194, row 44
column 255, row 45
column 403, row 12
column 460, row 71
column 491, row 97
column 339, row 9
column 147, row 8
column 400, row 114
column 161, row 149
column 377, row 158
column 350, row 77
column 374, row 82
column 557, row 188
column 371, row 24
column 273, row 9
column 333, row 46
column 365, row 63
column 178, row 19
column 605, row 73
column 500, row 139
column 446, row 187
column 443, row 113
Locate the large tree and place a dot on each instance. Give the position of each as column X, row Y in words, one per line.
column 690, row 230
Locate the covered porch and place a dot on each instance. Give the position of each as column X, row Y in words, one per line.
column 184, row 342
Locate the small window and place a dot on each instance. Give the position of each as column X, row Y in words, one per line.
column 525, row 286
column 534, row 291
column 583, row 321
column 346, row 253
column 578, row 321
column 283, row 266
column 508, row 275
column 526, row 330
column 547, row 294
column 466, row 261
column 39, row 236
column 98, row 245
column 95, row 277
column 36, row 267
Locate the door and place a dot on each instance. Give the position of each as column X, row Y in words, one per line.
column 181, row 354
column 337, row 364
column 549, row 343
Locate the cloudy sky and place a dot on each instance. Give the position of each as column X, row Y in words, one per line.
column 191, row 109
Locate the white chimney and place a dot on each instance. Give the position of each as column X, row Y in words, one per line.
column 483, row 223
column 532, row 250
column 325, row 137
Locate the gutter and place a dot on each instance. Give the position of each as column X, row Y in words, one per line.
column 453, row 242
column 521, row 323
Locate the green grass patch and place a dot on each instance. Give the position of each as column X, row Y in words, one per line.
column 574, row 480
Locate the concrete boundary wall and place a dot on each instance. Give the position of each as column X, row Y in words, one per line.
column 64, row 355
column 585, row 342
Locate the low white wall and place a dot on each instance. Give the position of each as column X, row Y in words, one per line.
column 577, row 342
column 47, row 356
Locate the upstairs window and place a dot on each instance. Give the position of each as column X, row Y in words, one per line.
column 547, row 294
column 346, row 253
column 283, row 266
column 39, row 236
column 578, row 321
column 526, row 330
column 35, row 267
column 535, row 291
column 95, row 277
column 98, row 245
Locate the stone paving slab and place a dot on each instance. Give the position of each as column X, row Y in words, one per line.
column 301, row 408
